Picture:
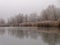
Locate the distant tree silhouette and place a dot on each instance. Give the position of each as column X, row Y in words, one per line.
column 51, row 13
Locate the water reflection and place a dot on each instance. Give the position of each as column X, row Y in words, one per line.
column 18, row 33
column 2, row 31
column 50, row 38
column 21, row 33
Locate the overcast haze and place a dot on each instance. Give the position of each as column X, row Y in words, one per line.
column 12, row 7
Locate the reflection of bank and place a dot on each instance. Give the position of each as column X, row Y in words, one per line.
column 49, row 30
column 2, row 30
column 50, row 35
column 16, row 33
column 20, row 33
column 51, row 39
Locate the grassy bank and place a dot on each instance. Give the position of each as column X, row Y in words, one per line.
column 42, row 24
column 36, row 24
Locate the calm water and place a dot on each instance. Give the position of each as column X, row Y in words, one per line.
column 28, row 36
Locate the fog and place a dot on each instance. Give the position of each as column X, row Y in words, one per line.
column 10, row 8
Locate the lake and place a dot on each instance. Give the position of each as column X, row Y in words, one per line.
column 28, row 36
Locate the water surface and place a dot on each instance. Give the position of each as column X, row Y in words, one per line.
column 28, row 36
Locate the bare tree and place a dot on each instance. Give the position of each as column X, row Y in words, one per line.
column 33, row 17
column 19, row 18
column 26, row 18
column 2, row 21
column 44, row 15
column 16, row 20
column 50, row 13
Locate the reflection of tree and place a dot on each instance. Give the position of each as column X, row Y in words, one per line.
column 17, row 33
column 34, row 34
column 51, row 39
column 26, row 33
column 22, row 33
column 2, row 31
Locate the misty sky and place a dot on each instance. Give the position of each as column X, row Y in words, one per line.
column 12, row 7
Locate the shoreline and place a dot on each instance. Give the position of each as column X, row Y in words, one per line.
column 32, row 24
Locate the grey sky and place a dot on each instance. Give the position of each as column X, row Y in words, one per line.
column 12, row 7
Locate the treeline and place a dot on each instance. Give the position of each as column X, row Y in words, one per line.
column 51, row 13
